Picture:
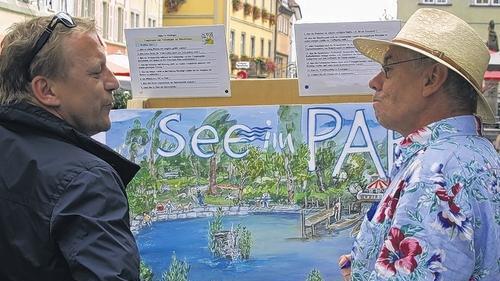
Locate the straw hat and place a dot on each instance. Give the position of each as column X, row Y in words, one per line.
column 446, row 39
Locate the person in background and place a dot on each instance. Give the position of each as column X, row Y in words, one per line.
column 439, row 217
column 63, row 209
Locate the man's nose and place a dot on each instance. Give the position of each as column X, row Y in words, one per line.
column 111, row 83
column 376, row 82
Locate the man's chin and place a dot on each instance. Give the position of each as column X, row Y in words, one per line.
column 99, row 129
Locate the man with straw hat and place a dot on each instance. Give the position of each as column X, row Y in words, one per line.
column 439, row 218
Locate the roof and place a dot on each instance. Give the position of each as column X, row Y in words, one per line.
column 377, row 184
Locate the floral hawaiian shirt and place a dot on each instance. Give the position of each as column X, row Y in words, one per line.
column 439, row 218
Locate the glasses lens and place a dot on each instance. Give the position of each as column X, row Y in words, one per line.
column 65, row 19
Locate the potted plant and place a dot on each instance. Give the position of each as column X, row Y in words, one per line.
column 272, row 19
column 256, row 13
column 237, row 5
column 247, row 9
column 265, row 15
column 270, row 66
column 233, row 58
column 173, row 5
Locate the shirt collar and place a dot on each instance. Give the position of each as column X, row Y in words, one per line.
column 420, row 139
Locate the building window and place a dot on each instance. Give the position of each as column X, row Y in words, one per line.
column 262, row 47
column 134, row 19
column 87, row 8
column 105, row 20
column 279, row 66
column 435, row 2
column 120, row 25
column 63, row 6
column 231, row 42
column 269, row 44
column 252, row 47
column 283, row 24
column 242, row 46
column 486, row 3
column 49, row 5
column 151, row 22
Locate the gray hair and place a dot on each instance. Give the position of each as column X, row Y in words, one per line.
column 17, row 46
column 462, row 96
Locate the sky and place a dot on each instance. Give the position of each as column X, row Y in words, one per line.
column 316, row 11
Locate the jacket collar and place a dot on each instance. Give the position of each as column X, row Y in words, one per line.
column 27, row 116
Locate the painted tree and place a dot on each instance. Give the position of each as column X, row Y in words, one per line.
column 289, row 123
column 299, row 170
column 325, row 160
column 249, row 169
column 136, row 139
column 150, row 177
column 221, row 121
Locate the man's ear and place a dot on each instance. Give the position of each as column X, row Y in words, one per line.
column 434, row 79
column 42, row 90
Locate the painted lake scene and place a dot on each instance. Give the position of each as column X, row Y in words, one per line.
column 278, row 252
column 250, row 193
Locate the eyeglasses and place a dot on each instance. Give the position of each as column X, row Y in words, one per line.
column 385, row 68
column 60, row 17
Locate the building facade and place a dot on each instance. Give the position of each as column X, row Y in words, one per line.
column 111, row 16
column 477, row 13
column 12, row 11
column 287, row 13
column 250, row 26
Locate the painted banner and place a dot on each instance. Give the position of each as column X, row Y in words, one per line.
column 250, row 193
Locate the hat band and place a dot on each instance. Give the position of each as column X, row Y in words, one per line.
column 442, row 56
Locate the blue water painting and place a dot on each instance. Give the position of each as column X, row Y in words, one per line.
column 278, row 252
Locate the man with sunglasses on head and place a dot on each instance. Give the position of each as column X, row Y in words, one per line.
column 63, row 208
column 439, row 217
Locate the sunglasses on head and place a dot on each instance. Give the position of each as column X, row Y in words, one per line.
column 60, row 17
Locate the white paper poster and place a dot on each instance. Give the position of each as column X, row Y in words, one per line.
column 327, row 61
column 178, row 61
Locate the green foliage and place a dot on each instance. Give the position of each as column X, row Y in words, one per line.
column 299, row 163
column 146, row 273
column 138, row 193
column 239, row 238
column 249, row 168
column 325, row 160
column 244, row 241
column 120, row 98
column 218, row 200
column 214, row 226
column 221, row 120
column 177, row 271
column 182, row 183
column 314, row 275
column 136, row 139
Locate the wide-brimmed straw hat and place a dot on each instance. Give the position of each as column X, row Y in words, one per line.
column 446, row 39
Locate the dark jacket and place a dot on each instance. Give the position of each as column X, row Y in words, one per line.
column 63, row 207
